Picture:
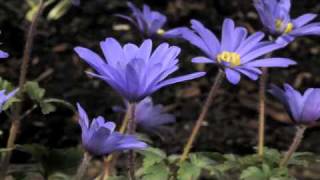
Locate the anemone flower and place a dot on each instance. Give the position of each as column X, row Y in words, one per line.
column 237, row 53
column 303, row 108
column 99, row 137
column 275, row 17
column 149, row 23
column 148, row 115
column 4, row 98
column 3, row 54
column 135, row 72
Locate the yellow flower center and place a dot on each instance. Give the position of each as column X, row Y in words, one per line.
column 160, row 31
column 279, row 26
column 230, row 57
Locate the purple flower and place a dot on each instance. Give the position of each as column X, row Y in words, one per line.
column 99, row 138
column 4, row 98
column 76, row 2
column 135, row 72
column 3, row 54
column 149, row 116
column 303, row 108
column 275, row 16
column 150, row 23
column 237, row 53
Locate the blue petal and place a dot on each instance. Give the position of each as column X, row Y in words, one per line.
column 232, row 76
column 271, row 62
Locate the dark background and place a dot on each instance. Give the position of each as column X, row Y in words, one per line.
column 231, row 126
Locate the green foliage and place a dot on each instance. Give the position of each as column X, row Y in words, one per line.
column 37, row 94
column 158, row 171
column 265, row 172
column 4, row 84
column 54, row 160
column 188, row 171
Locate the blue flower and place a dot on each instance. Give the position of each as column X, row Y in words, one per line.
column 99, row 137
column 148, row 115
column 275, row 16
column 3, row 54
column 135, row 72
column 4, row 98
column 237, row 53
column 303, row 108
column 150, row 23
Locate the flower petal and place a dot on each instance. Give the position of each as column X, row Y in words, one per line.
column 232, row 76
column 271, row 62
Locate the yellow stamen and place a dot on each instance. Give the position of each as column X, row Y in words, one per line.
column 288, row 28
column 229, row 57
column 161, row 31
column 279, row 26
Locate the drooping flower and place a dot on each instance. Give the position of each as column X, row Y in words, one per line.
column 237, row 53
column 275, row 17
column 135, row 72
column 150, row 116
column 149, row 23
column 5, row 97
column 99, row 137
column 3, row 54
column 303, row 108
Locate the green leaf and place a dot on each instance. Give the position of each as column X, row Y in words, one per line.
column 47, row 108
column 4, row 84
column 157, row 171
column 188, row 171
column 59, row 10
column 253, row 173
column 201, row 160
column 152, row 156
column 34, row 91
column 9, row 103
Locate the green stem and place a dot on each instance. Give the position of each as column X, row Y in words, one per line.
column 131, row 130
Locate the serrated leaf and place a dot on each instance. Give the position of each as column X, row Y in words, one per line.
column 200, row 160
column 152, row 156
column 188, row 171
column 34, row 91
column 59, row 10
column 253, row 173
column 158, row 171
column 4, row 84
column 47, row 108
column 9, row 103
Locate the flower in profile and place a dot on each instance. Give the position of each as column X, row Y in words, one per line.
column 149, row 23
column 303, row 108
column 237, row 53
column 150, row 116
column 135, row 72
column 3, row 54
column 99, row 137
column 5, row 97
column 275, row 17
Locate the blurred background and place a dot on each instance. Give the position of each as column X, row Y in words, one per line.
column 231, row 125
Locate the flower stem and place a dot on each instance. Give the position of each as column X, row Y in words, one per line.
column 15, row 125
column 262, row 105
column 131, row 130
column 112, row 158
column 83, row 166
column 294, row 145
column 203, row 114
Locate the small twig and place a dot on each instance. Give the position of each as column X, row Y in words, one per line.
column 83, row 166
column 203, row 114
column 44, row 75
